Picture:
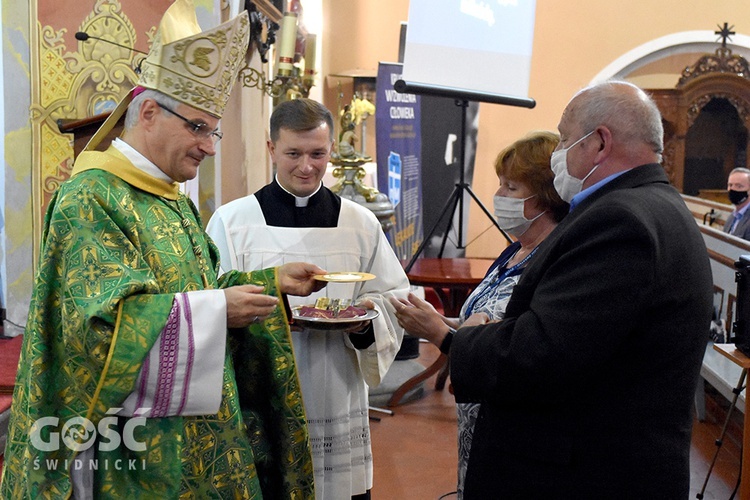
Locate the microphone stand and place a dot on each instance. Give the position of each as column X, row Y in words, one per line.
column 83, row 36
column 456, row 201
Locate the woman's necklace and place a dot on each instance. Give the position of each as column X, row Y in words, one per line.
column 512, row 267
column 501, row 273
column 521, row 256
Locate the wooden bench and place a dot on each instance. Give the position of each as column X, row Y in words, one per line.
column 707, row 212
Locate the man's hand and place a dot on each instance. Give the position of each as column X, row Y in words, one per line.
column 365, row 304
column 247, row 304
column 296, row 278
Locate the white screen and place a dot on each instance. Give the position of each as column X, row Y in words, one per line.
column 476, row 45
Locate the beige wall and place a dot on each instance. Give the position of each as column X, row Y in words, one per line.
column 574, row 41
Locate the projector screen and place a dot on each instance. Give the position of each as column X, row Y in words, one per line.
column 473, row 45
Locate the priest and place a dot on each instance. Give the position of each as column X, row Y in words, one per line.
column 295, row 217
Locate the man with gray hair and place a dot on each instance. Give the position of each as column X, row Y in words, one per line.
column 738, row 189
column 587, row 384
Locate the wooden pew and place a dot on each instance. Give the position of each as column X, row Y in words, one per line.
column 723, row 250
column 705, row 211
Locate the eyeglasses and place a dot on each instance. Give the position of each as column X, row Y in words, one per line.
column 199, row 129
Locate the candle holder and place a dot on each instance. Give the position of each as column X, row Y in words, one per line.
column 282, row 87
column 252, row 78
column 293, row 86
column 290, row 81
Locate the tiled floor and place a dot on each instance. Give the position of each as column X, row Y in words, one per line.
column 415, row 449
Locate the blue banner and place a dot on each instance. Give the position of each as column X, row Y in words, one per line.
column 399, row 158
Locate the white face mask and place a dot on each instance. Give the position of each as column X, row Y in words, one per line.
column 566, row 185
column 509, row 214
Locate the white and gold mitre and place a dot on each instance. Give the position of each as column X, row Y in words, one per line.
column 198, row 68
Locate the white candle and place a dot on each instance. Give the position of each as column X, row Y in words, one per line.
column 310, row 49
column 287, row 44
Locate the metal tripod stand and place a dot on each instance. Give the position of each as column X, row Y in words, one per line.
column 456, row 200
column 736, row 394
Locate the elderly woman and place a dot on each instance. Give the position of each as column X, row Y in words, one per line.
column 528, row 208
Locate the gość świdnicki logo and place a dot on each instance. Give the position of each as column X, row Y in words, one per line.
column 79, row 434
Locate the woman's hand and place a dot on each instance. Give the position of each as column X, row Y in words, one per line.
column 420, row 318
column 476, row 319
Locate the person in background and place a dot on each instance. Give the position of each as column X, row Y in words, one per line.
column 527, row 207
column 296, row 217
column 738, row 187
column 587, row 383
column 126, row 386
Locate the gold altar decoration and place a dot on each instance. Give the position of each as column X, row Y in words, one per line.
column 352, row 115
column 349, row 164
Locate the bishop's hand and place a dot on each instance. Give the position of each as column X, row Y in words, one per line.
column 297, row 278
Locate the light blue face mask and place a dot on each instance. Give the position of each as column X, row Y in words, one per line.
column 566, row 185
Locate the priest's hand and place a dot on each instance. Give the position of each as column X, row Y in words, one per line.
column 365, row 304
column 361, row 326
column 419, row 318
column 248, row 304
column 296, row 278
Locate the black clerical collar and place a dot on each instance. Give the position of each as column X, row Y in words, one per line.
column 279, row 210
column 299, row 201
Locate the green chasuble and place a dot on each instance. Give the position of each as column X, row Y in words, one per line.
column 117, row 246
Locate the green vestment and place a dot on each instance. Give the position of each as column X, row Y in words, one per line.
column 117, row 246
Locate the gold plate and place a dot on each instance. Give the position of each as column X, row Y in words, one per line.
column 344, row 277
